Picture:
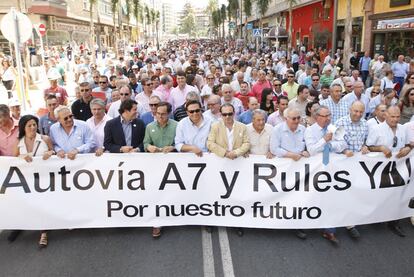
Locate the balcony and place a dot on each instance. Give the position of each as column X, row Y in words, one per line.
column 49, row 7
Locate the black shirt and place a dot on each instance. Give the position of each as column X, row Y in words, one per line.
column 81, row 110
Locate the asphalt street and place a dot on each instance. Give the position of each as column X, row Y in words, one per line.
column 190, row 251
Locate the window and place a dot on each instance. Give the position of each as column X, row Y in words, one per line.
column 397, row 3
column 85, row 5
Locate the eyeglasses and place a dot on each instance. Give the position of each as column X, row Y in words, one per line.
column 124, row 94
column 295, row 118
column 153, row 105
column 374, row 92
column 395, row 142
column 194, row 111
column 66, row 118
column 84, row 90
column 227, row 114
column 210, row 78
column 103, row 82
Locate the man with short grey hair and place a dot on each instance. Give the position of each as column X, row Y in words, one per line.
column 228, row 98
column 259, row 134
column 97, row 124
column 213, row 105
column 181, row 111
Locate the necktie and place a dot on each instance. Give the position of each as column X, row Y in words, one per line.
column 326, row 150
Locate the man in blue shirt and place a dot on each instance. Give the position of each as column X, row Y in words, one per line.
column 246, row 117
column 70, row 136
column 364, row 66
column 400, row 70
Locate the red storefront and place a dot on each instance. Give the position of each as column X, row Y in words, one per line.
column 312, row 25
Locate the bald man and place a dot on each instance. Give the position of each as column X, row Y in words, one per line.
column 390, row 137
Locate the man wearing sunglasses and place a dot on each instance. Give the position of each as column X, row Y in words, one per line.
column 70, row 136
column 228, row 138
column 390, row 137
column 192, row 131
column 144, row 97
column 125, row 94
column 81, row 108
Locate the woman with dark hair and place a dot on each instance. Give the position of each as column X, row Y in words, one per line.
column 32, row 144
column 266, row 103
column 409, row 83
column 406, row 105
column 310, row 113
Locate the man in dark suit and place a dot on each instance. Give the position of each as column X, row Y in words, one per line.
column 125, row 133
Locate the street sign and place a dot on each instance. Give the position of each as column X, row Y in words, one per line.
column 42, row 29
column 249, row 26
column 232, row 25
column 257, row 32
column 24, row 26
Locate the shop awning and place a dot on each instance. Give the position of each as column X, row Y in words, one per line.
column 281, row 32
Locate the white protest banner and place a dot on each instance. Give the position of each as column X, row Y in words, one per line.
column 120, row 190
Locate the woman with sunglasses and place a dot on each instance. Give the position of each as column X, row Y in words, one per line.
column 375, row 90
column 406, row 105
column 32, row 144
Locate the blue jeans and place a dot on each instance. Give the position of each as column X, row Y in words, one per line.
column 399, row 80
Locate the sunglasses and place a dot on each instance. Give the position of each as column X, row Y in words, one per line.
column 374, row 92
column 210, row 78
column 227, row 114
column 124, row 94
column 84, row 90
column 276, row 85
column 103, row 82
column 315, row 80
column 66, row 118
column 395, row 142
column 148, row 84
column 153, row 105
column 194, row 111
column 295, row 118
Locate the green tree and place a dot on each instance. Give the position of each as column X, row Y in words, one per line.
column 188, row 20
column 137, row 11
column 263, row 6
column 223, row 13
column 211, row 7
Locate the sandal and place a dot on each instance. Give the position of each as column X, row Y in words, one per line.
column 43, row 240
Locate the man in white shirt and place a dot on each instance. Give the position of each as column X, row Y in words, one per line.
column 358, row 95
column 390, row 137
column 228, row 98
column 259, row 134
column 213, row 105
column 144, row 97
column 179, row 93
column 301, row 100
column 380, row 112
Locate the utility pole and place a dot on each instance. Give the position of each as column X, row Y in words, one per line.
column 241, row 19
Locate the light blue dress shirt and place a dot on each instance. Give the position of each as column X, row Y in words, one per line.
column 315, row 142
column 80, row 137
column 283, row 140
column 189, row 133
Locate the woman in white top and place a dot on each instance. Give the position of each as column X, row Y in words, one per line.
column 31, row 144
column 8, row 76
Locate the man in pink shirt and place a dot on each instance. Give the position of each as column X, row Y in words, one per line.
column 179, row 93
column 261, row 83
column 9, row 130
column 163, row 91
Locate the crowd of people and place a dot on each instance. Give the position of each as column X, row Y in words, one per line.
column 202, row 96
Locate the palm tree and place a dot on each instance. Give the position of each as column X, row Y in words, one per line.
column 247, row 5
column 215, row 20
column 128, row 5
column 211, row 7
column 232, row 9
column 147, row 20
column 291, row 3
column 152, row 14
column 223, row 18
column 92, row 31
column 157, row 22
column 136, row 11
column 348, row 35
column 114, row 10
column 263, row 5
